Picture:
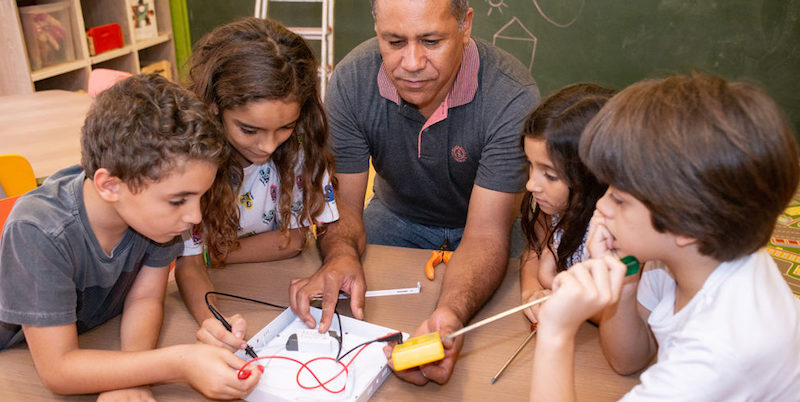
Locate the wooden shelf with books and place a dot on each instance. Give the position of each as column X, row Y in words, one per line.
column 62, row 59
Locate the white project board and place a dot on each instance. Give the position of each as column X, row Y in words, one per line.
column 280, row 379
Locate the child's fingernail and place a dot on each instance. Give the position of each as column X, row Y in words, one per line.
column 244, row 375
column 238, row 334
column 360, row 313
column 261, row 369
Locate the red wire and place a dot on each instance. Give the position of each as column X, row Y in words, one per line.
column 242, row 375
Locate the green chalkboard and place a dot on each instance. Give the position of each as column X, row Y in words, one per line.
column 204, row 15
column 611, row 42
column 618, row 42
column 615, row 42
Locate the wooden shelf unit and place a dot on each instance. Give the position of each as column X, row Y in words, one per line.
column 17, row 77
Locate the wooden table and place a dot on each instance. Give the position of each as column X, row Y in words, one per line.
column 484, row 351
column 44, row 127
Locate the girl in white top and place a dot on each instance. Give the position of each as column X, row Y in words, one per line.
column 259, row 78
column 561, row 192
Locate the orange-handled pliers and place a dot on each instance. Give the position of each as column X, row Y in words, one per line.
column 437, row 257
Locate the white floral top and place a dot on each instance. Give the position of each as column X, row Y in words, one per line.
column 258, row 204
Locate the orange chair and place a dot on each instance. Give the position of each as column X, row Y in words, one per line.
column 16, row 175
column 5, row 208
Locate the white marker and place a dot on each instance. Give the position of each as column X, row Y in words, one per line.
column 388, row 292
column 376, row 293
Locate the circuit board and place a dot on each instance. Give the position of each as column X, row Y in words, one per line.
column 301, row 366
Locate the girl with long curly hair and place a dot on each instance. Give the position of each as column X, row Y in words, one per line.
column 260, row 79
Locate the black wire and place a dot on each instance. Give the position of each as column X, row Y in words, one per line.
column 341, row 332
column 354, row 348
column 243, row 298
column 338, row 318
column 393, row 337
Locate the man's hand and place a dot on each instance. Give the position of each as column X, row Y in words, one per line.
column 342, row 273
column 475, row 270
column 138, row 394
column 444, row 321
column 341, row 247
column 212, row 332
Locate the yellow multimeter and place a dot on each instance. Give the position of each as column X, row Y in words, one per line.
column 417, row 351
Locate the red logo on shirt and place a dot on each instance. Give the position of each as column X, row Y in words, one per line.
column 459, row 153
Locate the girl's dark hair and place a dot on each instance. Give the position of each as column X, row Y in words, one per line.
column 251, row 60
column 559, row 121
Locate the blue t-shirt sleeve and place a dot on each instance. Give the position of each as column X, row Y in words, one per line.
column 36, row 278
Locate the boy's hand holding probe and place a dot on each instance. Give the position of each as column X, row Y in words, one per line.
column 213, row 332
column 580, row 292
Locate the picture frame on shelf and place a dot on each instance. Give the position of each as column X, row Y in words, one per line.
column 143, row 19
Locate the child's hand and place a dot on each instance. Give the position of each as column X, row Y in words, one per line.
column 213, row 372
column 212, row 332
column 581, row 292
column 142, row 393
column 533, row 312
column 599, row 241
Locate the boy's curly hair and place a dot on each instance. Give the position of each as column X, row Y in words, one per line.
column 144, row 127
column 252, row 60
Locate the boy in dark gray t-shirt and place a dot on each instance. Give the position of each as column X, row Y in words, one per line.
column 95, row 241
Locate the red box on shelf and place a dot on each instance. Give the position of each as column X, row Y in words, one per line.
column 104, row 38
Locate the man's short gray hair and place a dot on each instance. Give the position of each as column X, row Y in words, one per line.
column 458, row 8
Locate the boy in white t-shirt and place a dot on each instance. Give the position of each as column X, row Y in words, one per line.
column 698, row 171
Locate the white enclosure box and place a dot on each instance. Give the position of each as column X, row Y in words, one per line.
column 282, row 377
